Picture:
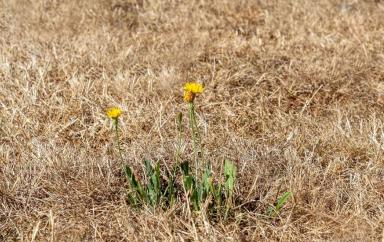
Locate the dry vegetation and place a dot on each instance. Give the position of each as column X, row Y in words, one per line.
column 293, row 99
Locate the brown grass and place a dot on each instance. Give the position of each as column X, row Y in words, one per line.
column 293, row 99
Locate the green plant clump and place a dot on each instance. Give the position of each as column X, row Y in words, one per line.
column 198, row 187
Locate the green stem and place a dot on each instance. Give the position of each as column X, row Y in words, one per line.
column 192, row 108
column 115, row 121
column 199, row 136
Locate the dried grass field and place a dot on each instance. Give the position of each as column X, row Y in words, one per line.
column 294, row 98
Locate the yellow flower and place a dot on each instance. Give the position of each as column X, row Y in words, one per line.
column 191, row 89
column 113, row 112
column 194, row 87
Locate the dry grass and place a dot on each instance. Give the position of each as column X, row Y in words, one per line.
column 292, row 90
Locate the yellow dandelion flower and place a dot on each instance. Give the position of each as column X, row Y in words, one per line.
column 191, row 89
column 113, row 112
column 194, row 87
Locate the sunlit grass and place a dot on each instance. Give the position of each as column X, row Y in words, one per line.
column 293, row 100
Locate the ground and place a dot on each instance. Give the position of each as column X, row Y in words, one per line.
column 294, row 98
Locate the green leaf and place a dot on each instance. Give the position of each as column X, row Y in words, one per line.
column 188, row 182
column 204, row 187
column 210, row 187
column 153, row 187
column 131, row 200
column 171, row 194
column 157, row 184
column 148, row 167
column 281, row 202
column 195, row 199
column 136, row 185
column 132, row 180
column 185, row 169
column 230, row 176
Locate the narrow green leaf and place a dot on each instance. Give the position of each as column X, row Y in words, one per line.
column 188, row 182
column 195, row 199
column 281, row 202
column 148, row 167
column 185, row 169
column 158, row 185
column 230, row 176
column 131, row 200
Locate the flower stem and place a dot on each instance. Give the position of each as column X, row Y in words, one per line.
column 115, row 121
column 199, row 136
column 192, row 108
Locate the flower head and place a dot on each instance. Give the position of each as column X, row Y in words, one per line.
column 191, row 89
column 194, row 87
column 113, row 112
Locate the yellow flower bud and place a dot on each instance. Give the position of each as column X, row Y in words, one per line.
column 179, row 117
